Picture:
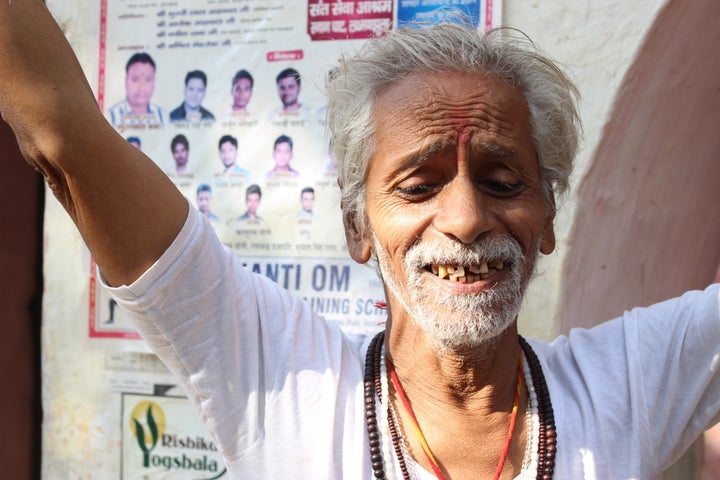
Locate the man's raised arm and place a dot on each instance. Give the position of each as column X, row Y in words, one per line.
column 126, row 209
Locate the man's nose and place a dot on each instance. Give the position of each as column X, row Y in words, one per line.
column 463, row 211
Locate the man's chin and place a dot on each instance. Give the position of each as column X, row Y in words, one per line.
column 461, row 324
column 468, row 336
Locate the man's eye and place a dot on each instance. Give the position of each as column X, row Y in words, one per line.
column 415, row 190
column 502, row 187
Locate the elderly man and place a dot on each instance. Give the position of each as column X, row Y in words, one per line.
column 451, row 148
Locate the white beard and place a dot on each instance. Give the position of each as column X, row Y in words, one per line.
column 460, row 321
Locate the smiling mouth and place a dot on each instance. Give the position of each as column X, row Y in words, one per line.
column 467, row 273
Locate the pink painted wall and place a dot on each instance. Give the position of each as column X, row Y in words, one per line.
column 647, row 223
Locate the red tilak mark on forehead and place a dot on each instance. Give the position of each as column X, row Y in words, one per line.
column 463, row 132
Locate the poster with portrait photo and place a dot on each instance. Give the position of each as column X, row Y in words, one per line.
column 227, row 99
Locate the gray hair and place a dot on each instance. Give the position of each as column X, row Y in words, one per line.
column 550, row 95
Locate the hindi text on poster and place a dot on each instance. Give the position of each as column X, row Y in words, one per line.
column 341, row 20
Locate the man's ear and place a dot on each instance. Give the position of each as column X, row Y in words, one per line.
column 547, row 240
column 358, row 246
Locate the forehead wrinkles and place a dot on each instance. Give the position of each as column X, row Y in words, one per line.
column 460, row 117
column 451, row 106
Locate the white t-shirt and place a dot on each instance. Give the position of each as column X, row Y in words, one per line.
column 281, row 390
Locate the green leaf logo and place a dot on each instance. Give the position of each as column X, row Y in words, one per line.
column 148, row 424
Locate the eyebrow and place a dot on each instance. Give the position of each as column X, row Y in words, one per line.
column 424, row 154
column 495, row 150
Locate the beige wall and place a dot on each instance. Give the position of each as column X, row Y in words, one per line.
column 646, row 226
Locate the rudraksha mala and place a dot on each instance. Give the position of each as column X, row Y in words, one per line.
column 547, row 442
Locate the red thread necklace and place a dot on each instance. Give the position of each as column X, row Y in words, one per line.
column 421, row 438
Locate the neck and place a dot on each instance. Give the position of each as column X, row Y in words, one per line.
column 462, row 399
column 455, row 375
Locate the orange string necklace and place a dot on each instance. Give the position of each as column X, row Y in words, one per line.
column 421, row 438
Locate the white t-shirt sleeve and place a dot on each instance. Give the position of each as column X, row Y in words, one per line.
column 632, row 394
column 673, row 349
column 220, row 329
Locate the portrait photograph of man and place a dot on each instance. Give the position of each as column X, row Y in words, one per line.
column 241, row 90
column 289, row 86
column 191, row 110
column 137, row 110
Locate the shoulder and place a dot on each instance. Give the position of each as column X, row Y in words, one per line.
column 306, row 110
column 119, row 108
column 695, row 312
column 178, row 113
column 627, row 358
column 206, row 114
column 156, row 109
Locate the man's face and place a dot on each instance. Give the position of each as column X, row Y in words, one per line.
column 194, row 93
column 180, row 154
column 454, row 184
column 228, row 154
column 282, row 154
column 241, row 91
column 203, row 202
column 307, row 199
column 252, row 201
column 139, row 85
column 288, row 90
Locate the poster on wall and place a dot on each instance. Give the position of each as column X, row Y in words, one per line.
column 162, row 437
column 226, row 96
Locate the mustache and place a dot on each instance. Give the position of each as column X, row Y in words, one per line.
column 499, row 247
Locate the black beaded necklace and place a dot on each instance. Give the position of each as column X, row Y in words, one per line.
column 547, row 441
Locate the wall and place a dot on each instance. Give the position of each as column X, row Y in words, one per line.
column 596, row 42
column 645, row 226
